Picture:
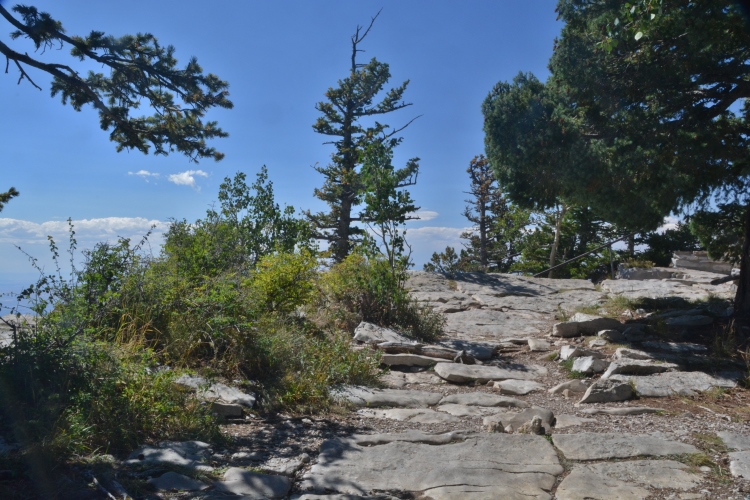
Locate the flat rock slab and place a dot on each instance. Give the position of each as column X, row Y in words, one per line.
column 621, row 412
column 563, row 421
column 539, row 345
column 637, row 367
column 735, row 440
column 739, row 464
column 476, row 350
column 253, row 485
column 472, row 467
column 489, row 325
column 417, row 415
column 605, row 446
column 517, row 387
column 625, row 480
column 459, row 373
column 674, row 383
column 365, row 396
column 484, row 399
column 187, row 454
column 607, row 391
column 172, row 481
column 397, row 380
column 467, row 410
column 575, row 386
column 409, row 360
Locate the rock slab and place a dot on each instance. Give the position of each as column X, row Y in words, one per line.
column 365, row 396
column 606, row 446
column 459, row 373
column 470, row 466
column 253, row 485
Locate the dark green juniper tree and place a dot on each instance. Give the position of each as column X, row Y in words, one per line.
column 140, row 70
column 346, row 106
column 642, row 96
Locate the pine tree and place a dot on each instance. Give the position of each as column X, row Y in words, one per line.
column 345, row 106
column 497, row 224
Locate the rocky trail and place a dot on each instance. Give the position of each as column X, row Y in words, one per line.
column 491, row 411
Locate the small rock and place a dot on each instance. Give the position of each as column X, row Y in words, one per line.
column 566, row 393
column 597, row 343
column 533, row 427
column 226, row 410
column 611, row 335
column 374, row 334
column 567, row 352
column 574, row 386
column 625, row 353
column 539, row 345
column 517, row 387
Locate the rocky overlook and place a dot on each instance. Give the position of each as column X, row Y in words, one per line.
column 540, row 389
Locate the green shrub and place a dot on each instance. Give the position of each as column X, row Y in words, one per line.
column 368, row 289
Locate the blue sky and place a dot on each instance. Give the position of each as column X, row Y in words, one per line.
column 279, row 58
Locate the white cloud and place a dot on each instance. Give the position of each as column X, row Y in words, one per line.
column 669, row 223
column 187, row 178
column 145, row 174
column 426, row 240
column 425, row 215
column 88, row 231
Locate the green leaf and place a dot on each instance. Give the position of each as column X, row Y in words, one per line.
column 639, row 35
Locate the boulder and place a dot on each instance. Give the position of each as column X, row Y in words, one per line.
column 607, row 391
column 589, row 365
column 373, row 334
column 216, row 391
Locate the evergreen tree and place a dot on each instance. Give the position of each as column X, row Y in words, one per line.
column 141, row 71
column 498, row 225
column 6, row 197
column 343, row 189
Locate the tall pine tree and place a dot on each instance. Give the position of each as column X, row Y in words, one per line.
column 343, row 189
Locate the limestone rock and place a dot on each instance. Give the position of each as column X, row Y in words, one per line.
column 517, row 387
column 518, row 420
column 563, row 421
column 625, row 353
column 674, row 383
column 690, row 321
column 735, row 440
column 574, row 386
column 187, row 454
column 373, row 334
column 607, row 391
column 172, row 481
column 739, row 464
column 606, row 446
column 226, row 410
column 418, row 415
column 459, row 410
column 589, row 365
column 214, row 391
column 539, row 345
column 253, row 485
column 408, row 360
column 477, row 350
column 365, row 396
column 574, row 351
column 484, row 399
column 625, row 480
column 466, row 468
column 637, row 367
column 589, row 324
column 622, row 411
column 459, row 373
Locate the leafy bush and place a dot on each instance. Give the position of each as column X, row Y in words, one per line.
column 369, row 289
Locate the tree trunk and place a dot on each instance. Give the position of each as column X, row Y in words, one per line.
column 483, row 235
column 631, row 245
column 558, row 228
column 742, row 298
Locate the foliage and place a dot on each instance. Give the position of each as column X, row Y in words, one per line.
column 580, row 232
column 447, row 262
column 362, row 288
column 721, row 232
column 344, row 186
column 140, row 69
column 248, row 225
column 661, row 246
column 7, row 196
column 498, row 225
